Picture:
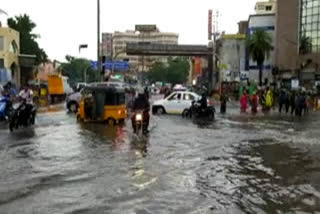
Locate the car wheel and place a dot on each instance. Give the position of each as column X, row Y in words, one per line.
column 185, row 113
column 160, row 110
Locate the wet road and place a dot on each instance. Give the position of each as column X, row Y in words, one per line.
column 237, row 164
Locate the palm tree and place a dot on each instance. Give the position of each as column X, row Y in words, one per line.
column 259, row 46
column 305, row 45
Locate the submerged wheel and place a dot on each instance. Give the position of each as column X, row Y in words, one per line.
column 185, row 113
column 79, row 119
column 160, row 110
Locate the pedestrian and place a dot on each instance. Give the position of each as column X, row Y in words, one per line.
column 254, row 103
column 268, row 99
column 292, row 101
column 287, row 102
column 223, row 103
column 281, row 99
column 308, row 103
column 244, row 101
column 300, row 103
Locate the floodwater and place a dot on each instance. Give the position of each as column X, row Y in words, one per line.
column 236, row 164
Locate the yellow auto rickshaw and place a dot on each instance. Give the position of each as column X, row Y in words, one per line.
column 102, row 103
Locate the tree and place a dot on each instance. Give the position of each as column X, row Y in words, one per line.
column 305, row 45
column 176, row 71
column 75, row 69
column 259, row 47
column 28, row 44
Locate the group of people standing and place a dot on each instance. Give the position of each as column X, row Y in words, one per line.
column 253, row 98
column 297, row 102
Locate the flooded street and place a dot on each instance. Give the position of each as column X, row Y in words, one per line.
column 237, row 164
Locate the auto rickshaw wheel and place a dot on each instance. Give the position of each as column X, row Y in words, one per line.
column 79, row 119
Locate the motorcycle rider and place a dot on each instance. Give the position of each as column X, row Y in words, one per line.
column 141, row 103
column 26, row 94
column 203, row 102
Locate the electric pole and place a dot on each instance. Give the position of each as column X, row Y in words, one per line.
column 98, row 40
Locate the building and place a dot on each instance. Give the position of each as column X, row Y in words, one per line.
column 267, row 23
column 295, row 20
column 266, row 7
column 232, row 54
column 9, row 56
column 243, row 27
column 141, row 34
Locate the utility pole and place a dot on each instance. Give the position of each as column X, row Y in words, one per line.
column 98, row 40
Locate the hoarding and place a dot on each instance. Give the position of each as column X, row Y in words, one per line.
column 146, row 28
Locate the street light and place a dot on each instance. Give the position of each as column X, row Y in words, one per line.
column 98, row 38
column 83, row 46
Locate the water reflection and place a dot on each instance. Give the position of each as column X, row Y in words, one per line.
column 262, row 176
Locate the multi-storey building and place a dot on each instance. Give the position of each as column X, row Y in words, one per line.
column 265, row 7
column 142, row 34
column 297, row 20
column 9, row 56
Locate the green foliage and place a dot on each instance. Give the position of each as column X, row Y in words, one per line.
column 176, row 71
column 28, row 44
column 259, row 46
column 305, row 45
column 75, row 68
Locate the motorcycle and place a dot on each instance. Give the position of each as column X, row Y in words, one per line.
column 19, row 117
column 196, row 111
column 140, row 122
column 5, row 108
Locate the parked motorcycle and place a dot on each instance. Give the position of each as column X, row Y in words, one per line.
column 140, row 122
column 23, row 115
column 196, row 111
column 5, row 108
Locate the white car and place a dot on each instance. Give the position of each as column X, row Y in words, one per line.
column 175, row 103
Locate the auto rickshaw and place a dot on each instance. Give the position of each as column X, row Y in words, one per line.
column 101, row 103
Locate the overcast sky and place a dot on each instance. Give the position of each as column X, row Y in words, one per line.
column 64, row 24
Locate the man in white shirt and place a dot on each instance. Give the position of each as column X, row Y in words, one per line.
column 27, row 94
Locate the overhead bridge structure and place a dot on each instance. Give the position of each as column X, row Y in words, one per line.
column 167, row 50
column 148, row 49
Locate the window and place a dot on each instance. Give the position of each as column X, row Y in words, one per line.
column 1, row 43
column 176, row 96
column 310, row 22
column 268, row 8
column 188, row 97
column 13, row 48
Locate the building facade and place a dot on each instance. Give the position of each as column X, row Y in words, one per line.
column 9, row 56
column 232, row 57
column 266, row 7
column 142, row 34
column 297, row 20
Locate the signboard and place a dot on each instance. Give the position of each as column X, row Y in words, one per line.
column 244, row 75
column 294, row 83
column 107, row 44
column 210, row 25
column 112, row 65
column 146, row 28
